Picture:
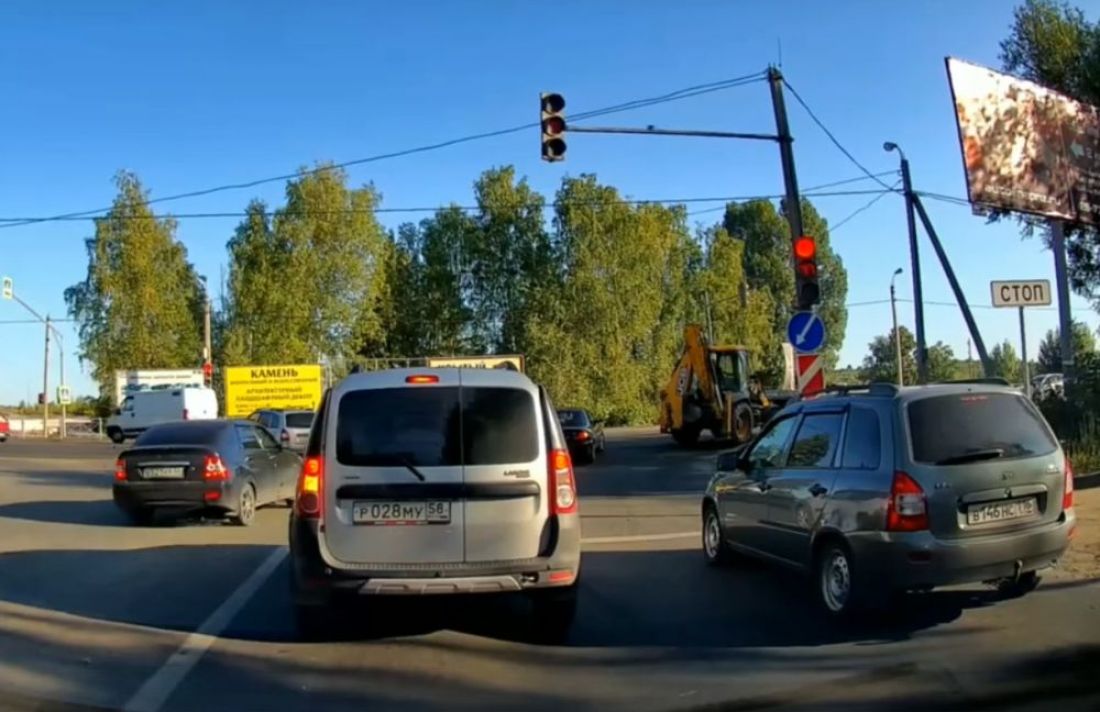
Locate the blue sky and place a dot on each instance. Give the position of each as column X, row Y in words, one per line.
column 197, row 94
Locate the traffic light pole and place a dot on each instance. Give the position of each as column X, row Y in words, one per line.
column 793, row 202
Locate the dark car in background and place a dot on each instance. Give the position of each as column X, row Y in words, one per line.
column 885, row 490
column 584, row 435
column 218, row 467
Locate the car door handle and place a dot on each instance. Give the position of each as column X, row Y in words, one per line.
column 819, row 490
column 764, row 486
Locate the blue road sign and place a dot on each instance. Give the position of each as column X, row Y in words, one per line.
column 806, row 332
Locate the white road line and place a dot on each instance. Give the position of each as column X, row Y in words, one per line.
column 156, row 690
column 638, row 537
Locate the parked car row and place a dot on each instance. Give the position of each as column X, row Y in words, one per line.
column 882, row 490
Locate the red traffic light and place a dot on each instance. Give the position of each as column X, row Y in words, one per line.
column 208, row 369
column 553, row 126
column 806, row 270
column 805, row 248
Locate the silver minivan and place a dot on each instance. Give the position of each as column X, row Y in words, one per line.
column 434, row 482
column 880, row 489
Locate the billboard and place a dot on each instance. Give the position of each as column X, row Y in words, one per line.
column 250, row 388
column 1025, row 147
column 153, row 378
column 512, row 362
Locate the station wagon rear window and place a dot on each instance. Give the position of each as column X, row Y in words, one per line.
column 299, row 420
column 429, row 427
column 959, row 428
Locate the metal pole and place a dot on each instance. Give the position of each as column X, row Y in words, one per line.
column 46, row 383
column 914, row 256
column 987, row 366
column 1023, row 355
column 207, row 355
column 1065, row 318
column 897, row 333
column 786, row 154
column 64, row 408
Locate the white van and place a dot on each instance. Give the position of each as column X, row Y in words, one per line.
column 145, row 409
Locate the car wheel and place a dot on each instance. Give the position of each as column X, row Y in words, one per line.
column 552, row 613
column 715, row 548
column 116, row 435
column 1025, row 584
column 246, row 506
column 835, row 581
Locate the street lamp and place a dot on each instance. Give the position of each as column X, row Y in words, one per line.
column 918, row 292
column 897, row 334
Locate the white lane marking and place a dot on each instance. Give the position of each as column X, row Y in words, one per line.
column 156, row 690
column 638, row 537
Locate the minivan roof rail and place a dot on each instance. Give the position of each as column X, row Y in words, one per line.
column 990, row 380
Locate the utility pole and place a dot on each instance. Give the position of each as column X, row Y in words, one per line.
column 1065, row 318
column 792, row 201
column 1023, row 355
column 897, row 333
column 46, row 384
column 914, row 258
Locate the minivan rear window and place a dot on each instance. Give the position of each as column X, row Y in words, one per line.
column 299, row 420
column 392, row 426
column 955, row 428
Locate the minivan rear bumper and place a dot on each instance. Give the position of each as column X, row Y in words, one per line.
column 909, row 560
column 314, row 582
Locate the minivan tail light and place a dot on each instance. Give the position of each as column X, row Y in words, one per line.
column 422, row 379
column 284, row 436
column 907, row 510
column 563, row 499
column 1067, row 497
column 213, row 469
column 186, row 415
column 120, row 470
column 307, row 503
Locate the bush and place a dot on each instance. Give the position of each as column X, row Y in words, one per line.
column 1076, row 420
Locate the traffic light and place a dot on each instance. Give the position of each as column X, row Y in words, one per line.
column 8, row 289
column 553, row 126
column 806, row 290
column 208, row 373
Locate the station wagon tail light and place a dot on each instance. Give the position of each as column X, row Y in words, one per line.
column 308, row 501
column 564, row 487
column 422, row 379
column 907, row 510
column 120, row 470
column 213, row 469
column 1067, row 497
column 583, row 435
column 284, row 436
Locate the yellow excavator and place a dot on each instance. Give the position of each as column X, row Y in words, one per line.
column 712, row 389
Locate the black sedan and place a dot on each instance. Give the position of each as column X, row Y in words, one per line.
column 584, row 435
column 220, row 467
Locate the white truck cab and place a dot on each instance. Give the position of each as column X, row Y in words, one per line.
column 143, row 409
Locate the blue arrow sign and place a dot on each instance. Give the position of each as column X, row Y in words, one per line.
column 806, row 332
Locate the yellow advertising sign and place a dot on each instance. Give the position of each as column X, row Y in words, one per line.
column 250, row 388
column 511, row 362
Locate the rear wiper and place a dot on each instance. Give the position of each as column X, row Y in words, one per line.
column 396, row 460
column 974, row 456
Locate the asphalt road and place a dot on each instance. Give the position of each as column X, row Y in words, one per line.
column 97, row 614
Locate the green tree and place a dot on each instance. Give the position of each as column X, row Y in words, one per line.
column 1050, row 348
column 140, row 304
column 306, row 283
column 1053, row 44
column 604, row 330
column 880, row 363
column 1006, row 363
column 767, row 258
column 942, row 365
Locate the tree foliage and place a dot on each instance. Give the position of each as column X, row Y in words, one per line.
column 141, row 303
column 1006, row 362
column 1050, row 348
column 305, row 283
column 880, row 363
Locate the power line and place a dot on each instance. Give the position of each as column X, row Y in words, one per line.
column 808, row 191
column 7, row 222
column 864, row 207
column 832, row 137
column 685, row 93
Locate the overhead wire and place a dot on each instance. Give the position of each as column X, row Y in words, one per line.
column 685, row 93
column 829, row 133
column 809, row 191
column 866, row 206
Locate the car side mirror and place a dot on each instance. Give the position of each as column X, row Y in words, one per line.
column 729, row 461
